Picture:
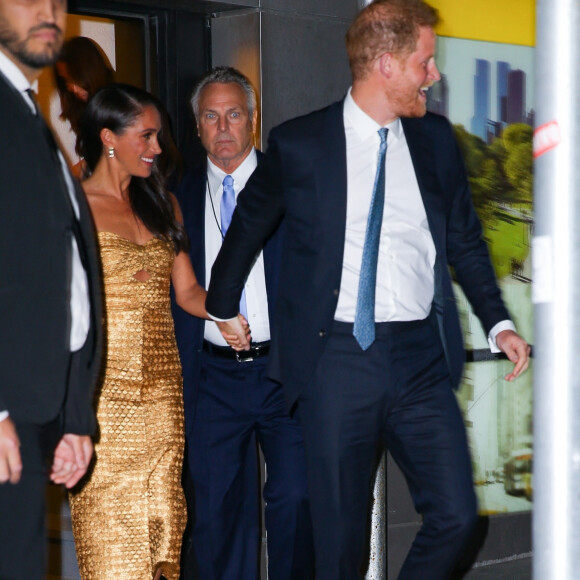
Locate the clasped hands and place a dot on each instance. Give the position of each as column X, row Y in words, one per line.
column 236, row 332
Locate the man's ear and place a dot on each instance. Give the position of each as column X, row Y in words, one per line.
column 254, row 122
column 385, row 64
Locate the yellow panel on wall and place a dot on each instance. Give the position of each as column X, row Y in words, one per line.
column 507, row 21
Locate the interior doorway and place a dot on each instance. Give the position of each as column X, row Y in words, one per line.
column 123, row 43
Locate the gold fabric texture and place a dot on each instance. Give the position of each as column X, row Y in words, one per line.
column 128, row 519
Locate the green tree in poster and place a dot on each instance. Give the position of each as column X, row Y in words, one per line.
column 500, row 176
column 519, row 163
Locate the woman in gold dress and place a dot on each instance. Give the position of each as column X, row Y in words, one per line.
column 128, row 517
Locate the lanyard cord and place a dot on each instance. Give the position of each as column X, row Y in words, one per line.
column 209, row 192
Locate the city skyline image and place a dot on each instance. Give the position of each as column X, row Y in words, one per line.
column 475, row 77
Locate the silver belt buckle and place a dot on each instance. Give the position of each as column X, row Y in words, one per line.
column 243, row 360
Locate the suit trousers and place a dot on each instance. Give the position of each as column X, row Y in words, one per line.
column 22, row 528
column 399, row 393
column 236, row 406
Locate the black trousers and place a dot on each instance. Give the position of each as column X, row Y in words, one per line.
column 399, row 393
column 236, row 405
column 22, row 506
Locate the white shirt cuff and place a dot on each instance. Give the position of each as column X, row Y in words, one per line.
column 4, row 415
column 499, row 327
column 216, row 319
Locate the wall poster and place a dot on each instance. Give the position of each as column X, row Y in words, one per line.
column 486, row 91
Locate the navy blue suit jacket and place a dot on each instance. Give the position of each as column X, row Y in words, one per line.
column 304, row 178
column 192, row 196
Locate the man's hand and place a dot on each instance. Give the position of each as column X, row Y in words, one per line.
column 10, row 461
column 236, row 332
column 516, row 349
column 71, row 459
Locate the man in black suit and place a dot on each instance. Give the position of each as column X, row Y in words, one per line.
column 49, row 297
column 368, row 343
column 229, row 401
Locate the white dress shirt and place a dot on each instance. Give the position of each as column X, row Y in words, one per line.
column 405, row 275
column 79, row 292
column 405, row 278
column 255, row 287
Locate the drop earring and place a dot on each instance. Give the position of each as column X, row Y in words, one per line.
column 111, row 152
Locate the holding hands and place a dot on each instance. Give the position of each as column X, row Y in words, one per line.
column 236, row 332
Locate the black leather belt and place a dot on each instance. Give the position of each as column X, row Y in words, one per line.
column 257, row 350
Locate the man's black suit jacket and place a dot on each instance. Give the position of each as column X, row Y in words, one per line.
column 35, row 248
column 192, row 196
column 304, row 178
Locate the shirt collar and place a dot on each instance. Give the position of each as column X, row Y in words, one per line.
column 216, row 175
column 17, row 79
column 13, row 74
column 363, row 125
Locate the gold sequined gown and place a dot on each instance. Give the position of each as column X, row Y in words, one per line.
column 128, row 519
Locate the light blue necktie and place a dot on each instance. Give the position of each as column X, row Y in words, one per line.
column 227, row 207
column 364, row 320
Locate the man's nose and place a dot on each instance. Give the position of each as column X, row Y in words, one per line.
column 223, row 123
column 47, row 10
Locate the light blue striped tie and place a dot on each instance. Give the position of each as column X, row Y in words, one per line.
column 227, row 207
column 364, row 320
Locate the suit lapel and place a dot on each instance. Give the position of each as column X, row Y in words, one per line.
column 13, row 93
column 423, row 160
column 194, row 218
column 331, row 178
column 433, row 197
column 272, row 250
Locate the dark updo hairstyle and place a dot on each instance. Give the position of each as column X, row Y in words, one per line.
column 86, row 66
column 116, row 107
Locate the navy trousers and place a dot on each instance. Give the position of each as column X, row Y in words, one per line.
column 22, row 506
column 397, row 392
column 236, row 406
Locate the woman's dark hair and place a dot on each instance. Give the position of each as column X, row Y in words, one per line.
column 86, row 66
column 117, row 107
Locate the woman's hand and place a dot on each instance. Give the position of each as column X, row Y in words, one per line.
column 236, row 332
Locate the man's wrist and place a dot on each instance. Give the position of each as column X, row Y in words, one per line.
column 216, row 319
column 499, row 327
